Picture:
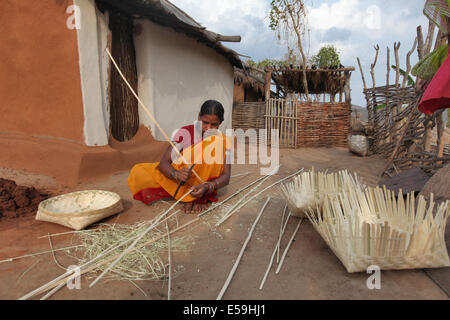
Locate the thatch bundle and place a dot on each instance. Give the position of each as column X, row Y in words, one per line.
column 309, row 190
column 373, row 227
column 320, row 81
column 248, row 81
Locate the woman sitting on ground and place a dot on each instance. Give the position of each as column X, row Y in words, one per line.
column 161, row 180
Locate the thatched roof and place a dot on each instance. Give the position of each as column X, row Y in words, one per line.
column 250, row 78
column 166, row 14
column 331, row 81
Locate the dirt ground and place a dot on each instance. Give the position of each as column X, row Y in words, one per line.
column 310, row 270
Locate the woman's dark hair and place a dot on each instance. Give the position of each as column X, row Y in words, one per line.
column 212, row 107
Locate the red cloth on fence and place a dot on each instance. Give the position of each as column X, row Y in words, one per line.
column 437, row 94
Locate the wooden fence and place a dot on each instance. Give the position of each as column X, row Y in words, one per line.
column 249, row 115
column 299, row 124
column 281, row 114
column 323, row 124
column 308, row 124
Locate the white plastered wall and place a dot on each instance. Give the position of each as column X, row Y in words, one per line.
column 94, row 64
column 176, row 74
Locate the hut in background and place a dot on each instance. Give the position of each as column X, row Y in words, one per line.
column 249, row 84
column 67, row 114
column 249, row 98
column 314, row 120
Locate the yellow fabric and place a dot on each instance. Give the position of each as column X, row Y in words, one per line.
column 208, row 156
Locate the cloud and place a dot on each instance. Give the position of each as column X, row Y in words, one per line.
column 345, row 14
column 336, row 34
column 247, row 18
column 353, row 26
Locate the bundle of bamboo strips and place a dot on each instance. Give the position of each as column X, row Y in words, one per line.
column 373, row 227
column 309, row 189
column 147, row 234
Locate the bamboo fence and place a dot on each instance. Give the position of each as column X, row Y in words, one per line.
column 281, row 114
column 249, row 115
column 323, row 124
column 397, row 129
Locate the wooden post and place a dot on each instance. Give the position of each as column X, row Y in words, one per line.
column 408, row 63
column 429, row 40
column 268, row 115
column 397, row 64
column 268, row 83
column 347, row 90
column 427, row 135
column 440, row 134
column 386, row 108
column 372, row 73
column 396, row 109
column 420, row 44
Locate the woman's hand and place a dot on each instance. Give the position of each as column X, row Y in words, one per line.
column 182, row 175
column 200, row 190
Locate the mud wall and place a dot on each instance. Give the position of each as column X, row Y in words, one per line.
column 40, row 91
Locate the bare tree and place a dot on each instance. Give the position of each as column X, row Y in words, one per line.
column 287, row 17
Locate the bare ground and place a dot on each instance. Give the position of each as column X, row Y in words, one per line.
column 310, row 270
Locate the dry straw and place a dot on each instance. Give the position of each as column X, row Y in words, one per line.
column 374, row 227
column 309, row 189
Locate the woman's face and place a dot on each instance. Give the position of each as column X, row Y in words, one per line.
column 209, row 122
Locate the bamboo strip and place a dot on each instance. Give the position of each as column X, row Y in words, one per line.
column 231, row 196
column 281, row 231
column 28, row 269
column 240, row 201
column 52, row 292
column 63, row 280
column 52, row 284
column 275, row 250
column 135, row 241
column 288, row 246
column 37, row 253
column 251, row 198
column 170, row 262
column 233, row 270
column 150, row 114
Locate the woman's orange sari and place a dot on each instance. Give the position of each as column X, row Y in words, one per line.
column 147, row 183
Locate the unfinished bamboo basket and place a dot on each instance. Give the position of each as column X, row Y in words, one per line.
column 374, row 227
column 79, row 209
column 309, row 189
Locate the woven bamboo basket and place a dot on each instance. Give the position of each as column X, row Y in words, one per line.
column 374, row 227
column 309, row 190
column 79, row 209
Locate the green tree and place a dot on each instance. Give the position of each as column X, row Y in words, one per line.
column 268, row 63
column 328, row 56
column 289, row 17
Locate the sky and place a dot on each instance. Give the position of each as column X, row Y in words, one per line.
column 354, row 27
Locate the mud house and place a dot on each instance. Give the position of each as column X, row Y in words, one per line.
column 249, row 84
column 65, row 111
